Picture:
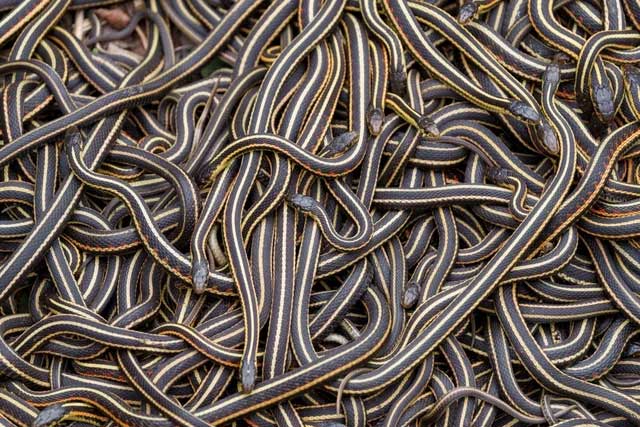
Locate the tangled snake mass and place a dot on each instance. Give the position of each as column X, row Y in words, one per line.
column 320, row 213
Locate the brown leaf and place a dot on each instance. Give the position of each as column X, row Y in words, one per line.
column 116, row 18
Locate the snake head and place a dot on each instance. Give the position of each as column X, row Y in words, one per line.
column 561, row 58
column 411, row 295
column 263, row 177
column 498, row 175
column 552, row 73
column 375, row 120
column 341, row 143
column 301, row 202
column 204, row 175
column 428, row 126
column 133, row 90
column 73, row 139
column 247, row 377
column 199, row 276
column 632, row 350
column 398, row 82
column 467, row 12
column 524, row 112
column 631, row 75
column 548, row 137
column 603, row 101
column 50, row 416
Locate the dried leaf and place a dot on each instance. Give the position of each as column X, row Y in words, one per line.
column 116, row 18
